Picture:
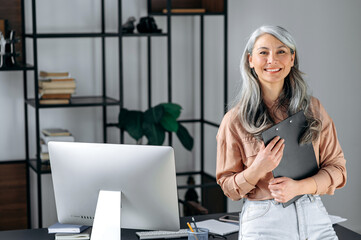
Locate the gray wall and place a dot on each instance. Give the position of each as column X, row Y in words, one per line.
column 328, row 37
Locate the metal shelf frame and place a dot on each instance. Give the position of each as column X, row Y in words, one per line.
column 103, row 101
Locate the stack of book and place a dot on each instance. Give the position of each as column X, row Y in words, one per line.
column 52, row 134
column 69, row 231
column 56, row 87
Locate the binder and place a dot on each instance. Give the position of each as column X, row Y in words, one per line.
column 298, row 161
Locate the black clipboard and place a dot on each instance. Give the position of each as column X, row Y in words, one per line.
column 298, row 161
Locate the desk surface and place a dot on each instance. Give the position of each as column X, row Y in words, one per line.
column 129, row 234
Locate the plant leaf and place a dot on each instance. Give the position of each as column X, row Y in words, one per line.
column 154, row 133
column 169, row 123
column 173, row 109
column 122, row 117
column 133, row 124
column 154, row 114
column 184, row 137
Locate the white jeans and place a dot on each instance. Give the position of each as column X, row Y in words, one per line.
column 305, row 219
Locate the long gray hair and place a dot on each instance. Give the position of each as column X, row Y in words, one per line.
column 252, row 111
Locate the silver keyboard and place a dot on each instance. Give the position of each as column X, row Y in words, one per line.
column 162, row 234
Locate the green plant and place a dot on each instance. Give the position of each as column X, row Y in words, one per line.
column 154, row 122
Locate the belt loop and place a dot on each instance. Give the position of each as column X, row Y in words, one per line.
column 311, row 197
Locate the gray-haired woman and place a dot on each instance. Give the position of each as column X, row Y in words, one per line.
column 273, row 89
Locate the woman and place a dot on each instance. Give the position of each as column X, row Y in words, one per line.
column 272, row 90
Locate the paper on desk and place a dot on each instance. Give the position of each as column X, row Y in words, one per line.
column 336, row 219
column 218, row 227
column 72, row 236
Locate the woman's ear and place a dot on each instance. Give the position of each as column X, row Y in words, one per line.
column 250, row 61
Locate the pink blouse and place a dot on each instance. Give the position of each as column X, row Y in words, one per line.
column 237, row 149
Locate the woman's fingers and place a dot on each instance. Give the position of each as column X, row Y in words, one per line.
column 273, row 142
column 279, row 153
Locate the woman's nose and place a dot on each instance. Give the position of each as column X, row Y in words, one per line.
column 272, row 58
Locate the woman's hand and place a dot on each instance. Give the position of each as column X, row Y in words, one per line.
column 269, row 157
column 266, row 160
column 284, row 189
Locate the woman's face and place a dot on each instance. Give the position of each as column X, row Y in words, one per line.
column 271, row 59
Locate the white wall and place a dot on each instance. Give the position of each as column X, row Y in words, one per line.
column 328, row 37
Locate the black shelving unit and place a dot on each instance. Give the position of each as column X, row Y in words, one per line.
column 102, row 101
column 210, row 190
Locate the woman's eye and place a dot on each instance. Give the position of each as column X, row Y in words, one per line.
column 263, row 53
column 281, row 51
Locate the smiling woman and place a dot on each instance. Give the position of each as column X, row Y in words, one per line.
column 272, row 90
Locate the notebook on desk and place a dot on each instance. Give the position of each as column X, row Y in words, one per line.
column 218, row 227
column 298, row 161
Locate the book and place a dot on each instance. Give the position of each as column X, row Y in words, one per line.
column 66, row 228
column 298, row 161
column 45, row 84
column 218, row 227
column 44, row 156
column 56, row 90
column 70, row 236
column 185, row 10
column 55, row 132
column 47, row 139
column 54, row 74
column 56, row 96
column 54, row 101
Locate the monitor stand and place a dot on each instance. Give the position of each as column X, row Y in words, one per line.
column 106, row 223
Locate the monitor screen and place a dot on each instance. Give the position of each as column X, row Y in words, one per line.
column 145, row 175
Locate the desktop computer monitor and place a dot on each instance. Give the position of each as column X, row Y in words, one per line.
column 145, row 176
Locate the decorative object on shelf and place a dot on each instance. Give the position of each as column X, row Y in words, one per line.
column 153, row 123
column 128, row 26
column 148, row 25
column 7, row 49
column 2, row 49
column 191, row 204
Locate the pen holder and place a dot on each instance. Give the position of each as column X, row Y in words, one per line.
column 202, row 234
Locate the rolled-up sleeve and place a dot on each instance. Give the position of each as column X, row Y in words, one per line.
column 332, row 173
column 229, row 171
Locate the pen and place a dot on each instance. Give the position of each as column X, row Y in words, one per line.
column 195, row 225
column 190, row 227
